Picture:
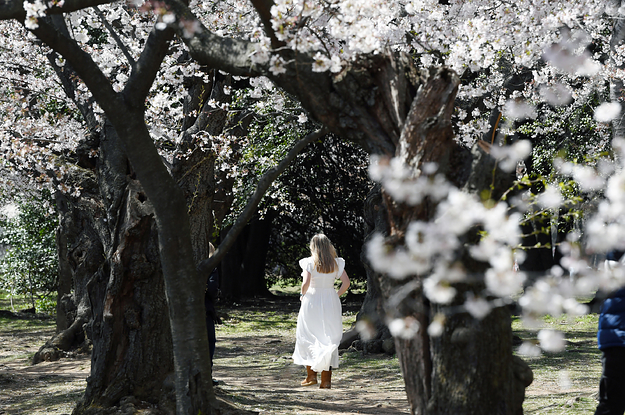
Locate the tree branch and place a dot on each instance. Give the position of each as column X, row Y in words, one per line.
column 229, row 55
column 113, row 33
column 207, row 265
column 15, row 9
column 96, row 81
column 144, row 72
column 263, row 8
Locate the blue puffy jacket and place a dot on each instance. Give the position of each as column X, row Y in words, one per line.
column 612, row 321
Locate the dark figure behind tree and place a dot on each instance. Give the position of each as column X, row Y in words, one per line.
column 210, row 298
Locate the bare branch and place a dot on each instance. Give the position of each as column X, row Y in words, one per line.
column 207, row 265
column 113, row 33
column 263, row 8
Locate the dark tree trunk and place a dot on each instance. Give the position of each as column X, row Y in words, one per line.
column 64, row 288
column 81, row 254
column 195, row 172
column 371, row 313
column 243, row 267
column 129, row 328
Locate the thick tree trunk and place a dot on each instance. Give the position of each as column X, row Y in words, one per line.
column 129, row 328
column 470, row 366
column 81, row 254
column 371, row 313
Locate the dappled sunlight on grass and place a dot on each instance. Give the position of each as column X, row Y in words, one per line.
column 565, row 382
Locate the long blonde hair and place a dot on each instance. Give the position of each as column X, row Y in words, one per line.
column 323, row 253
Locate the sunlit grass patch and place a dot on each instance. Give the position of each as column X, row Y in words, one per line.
column 15, row 303
column 565, row 382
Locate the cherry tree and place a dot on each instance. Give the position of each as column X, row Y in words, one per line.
column 106, row 213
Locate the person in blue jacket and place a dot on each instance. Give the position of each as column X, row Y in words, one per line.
column 611, row 342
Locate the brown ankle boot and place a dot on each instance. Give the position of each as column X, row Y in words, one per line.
column 311, row 377
column 326, row 377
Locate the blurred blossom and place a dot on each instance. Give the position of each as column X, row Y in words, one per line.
column 397, row 263
column 529, row 349
column 508, row 156
column 607, row 111
column 572, row 307
column 366, row 329
column 551, row 340
column 551, row 198
column 437, row 326
column 402, row 185
column 588, row 178
column 169, row 18
column 519, row 110
column 564, row 380
column 425, row 240
column 504, row 282
column 302, row 118
column 557, row 94
column 563, row 56
column 458, row 212
column 556, row 271
column 478, row 307
column 404, row 328
column 438, row 291
column 485, row 250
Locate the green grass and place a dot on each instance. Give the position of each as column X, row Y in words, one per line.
column 257, row 337
column 20, row 325
column 565, row 382
column 19, row 302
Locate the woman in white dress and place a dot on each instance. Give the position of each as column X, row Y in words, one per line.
column 319, row 323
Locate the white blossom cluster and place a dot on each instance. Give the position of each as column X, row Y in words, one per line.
column 430, row 250
column 430, row 247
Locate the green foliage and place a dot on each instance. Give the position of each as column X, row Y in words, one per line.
column 46, row 304
column 30, row 265
column 324, row 191
column 567, row 134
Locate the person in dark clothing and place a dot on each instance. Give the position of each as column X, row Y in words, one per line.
column 611, row 342
column 210, row 298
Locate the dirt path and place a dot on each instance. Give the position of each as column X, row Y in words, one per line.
column 49, row 388
column 256, row 373
column 254, row 369
column 271, row 385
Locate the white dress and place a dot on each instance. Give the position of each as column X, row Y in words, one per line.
column 319, row 323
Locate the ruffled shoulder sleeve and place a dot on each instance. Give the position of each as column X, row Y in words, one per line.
column 306, row 264
column 341, row 263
